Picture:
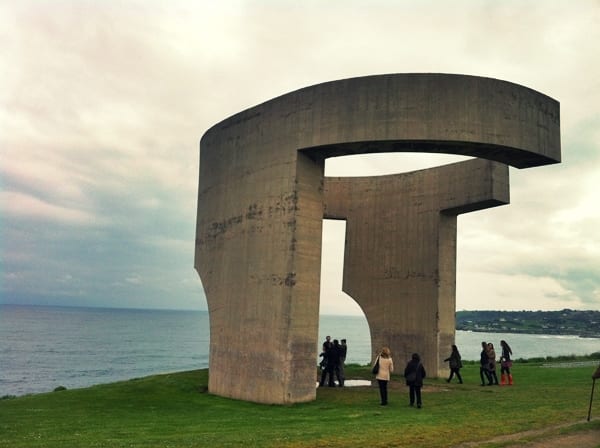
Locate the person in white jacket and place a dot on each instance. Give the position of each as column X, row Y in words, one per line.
column 386, row 367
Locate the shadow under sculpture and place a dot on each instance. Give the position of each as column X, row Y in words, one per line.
column 262, row 197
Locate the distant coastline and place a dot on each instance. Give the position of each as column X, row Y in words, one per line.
column 566, row 322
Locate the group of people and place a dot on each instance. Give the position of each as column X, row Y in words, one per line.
column 487, row 367
column 414, row 373
column 332, row 364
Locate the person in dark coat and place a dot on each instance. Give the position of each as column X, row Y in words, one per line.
column 455, row 364
column 343, row 353
column 329, row 364
column 414, row 374
column 484, row 373
column 337, row 366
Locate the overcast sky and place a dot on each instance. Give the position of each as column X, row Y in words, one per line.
column 103, row 103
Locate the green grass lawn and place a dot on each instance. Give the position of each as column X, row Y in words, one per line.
column 175, row 410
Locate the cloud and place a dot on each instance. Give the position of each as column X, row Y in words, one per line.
column 103, row 105
column 24, row 206
column 517, row 292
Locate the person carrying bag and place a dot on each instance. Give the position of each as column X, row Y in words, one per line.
column 414, row 374
column 382, row 369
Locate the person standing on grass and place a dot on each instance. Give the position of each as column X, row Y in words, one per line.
column 414, row 374
column 386, row 367
column 336, row 356
column 329, row 364
column 455, row 364
column 491, row 354
column 343, row 352
column 483, row 365
column 505, row 364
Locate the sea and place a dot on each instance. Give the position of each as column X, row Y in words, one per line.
column 44, row 347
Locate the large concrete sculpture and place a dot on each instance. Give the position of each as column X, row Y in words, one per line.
column 262, row 197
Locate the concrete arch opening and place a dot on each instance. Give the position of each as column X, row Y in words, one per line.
column 333, row 300
column 339, row 314
column 382, row 164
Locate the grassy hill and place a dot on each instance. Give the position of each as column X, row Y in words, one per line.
column 175, row 410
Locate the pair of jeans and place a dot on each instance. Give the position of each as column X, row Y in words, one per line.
column 484, row 375
column 454, row 371
column 383, row 391
column 414, row 392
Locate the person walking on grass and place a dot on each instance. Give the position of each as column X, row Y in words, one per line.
column 386, row 367
column 455, row 364
column 491, row 354
column 414, row 374
column 483, row 365
column 505, row 364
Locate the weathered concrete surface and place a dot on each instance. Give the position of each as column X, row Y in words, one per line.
column 260, row 202
column 400, row 253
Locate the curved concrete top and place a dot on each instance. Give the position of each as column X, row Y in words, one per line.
column 417, row 112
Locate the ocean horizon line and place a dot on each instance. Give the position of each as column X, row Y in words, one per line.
column 133, row 308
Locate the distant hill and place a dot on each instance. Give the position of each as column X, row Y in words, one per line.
column 565, row 322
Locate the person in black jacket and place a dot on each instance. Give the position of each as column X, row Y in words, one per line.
column 326, row 363
column 483, row 365
column 337, row 361
column 329, row 363
column 343, row 353
column 455, row 364
column 414, row 374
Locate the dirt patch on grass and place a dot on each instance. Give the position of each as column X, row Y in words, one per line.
column 549, row 437
column 587, row 439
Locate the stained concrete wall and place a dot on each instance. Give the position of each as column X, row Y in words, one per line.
column 400, row 251
column 260, row 202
